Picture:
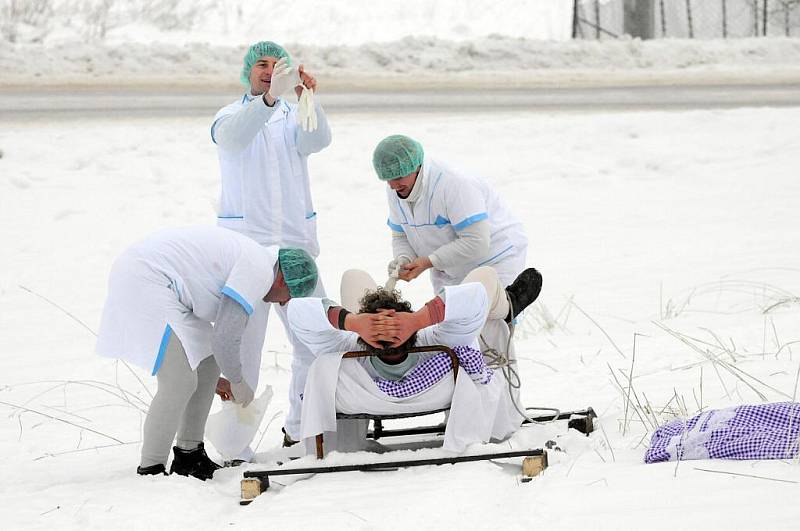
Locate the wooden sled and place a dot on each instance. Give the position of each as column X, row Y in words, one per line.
column 535, row 460
column 257, row 481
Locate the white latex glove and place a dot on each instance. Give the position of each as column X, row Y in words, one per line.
column 284, row 78
column 394, row 268
column 242, row 394
column 306, row 112
column 397, row 264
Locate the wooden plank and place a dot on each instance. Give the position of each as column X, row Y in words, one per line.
column 251, row 488
column 533, row 466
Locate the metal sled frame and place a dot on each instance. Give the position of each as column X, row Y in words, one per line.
column 256, row 482
column 377, row 419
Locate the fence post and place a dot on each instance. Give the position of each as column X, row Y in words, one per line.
column 575, row 19
column 639, row 18
column 663, row 19
column 755, row 17
column 724, row 19
column 689, row 18
column 765, row 18
column 597, row 19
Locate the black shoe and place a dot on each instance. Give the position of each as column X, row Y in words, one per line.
column 523, row 291
column 152, row 470
column 193, row 463
column 287, row 441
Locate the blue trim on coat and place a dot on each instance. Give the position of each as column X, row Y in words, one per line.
column 311, row 216
column 230, row 217
column 400, row 208
column 213, row 126
column 470, row 220
column 396, row 228
column 230, row 292
column 441, row 221
column 433, row 191
column 497, row 255
column 162, row 349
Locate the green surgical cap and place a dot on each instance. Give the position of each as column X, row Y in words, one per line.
column 256, row 52
column 299, row 271
column 396, row 156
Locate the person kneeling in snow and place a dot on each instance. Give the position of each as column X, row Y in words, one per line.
column 396, row 381
column 164, row 293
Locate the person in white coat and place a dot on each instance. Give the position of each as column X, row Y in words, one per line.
column 164, row 293
column 482, row 407
column 263, row 157
column 452, row 223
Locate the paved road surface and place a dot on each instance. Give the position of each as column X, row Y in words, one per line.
column 61, row 104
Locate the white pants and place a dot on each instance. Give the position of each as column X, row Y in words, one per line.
column 302, row 358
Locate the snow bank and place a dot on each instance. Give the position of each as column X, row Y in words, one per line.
column 411, row 62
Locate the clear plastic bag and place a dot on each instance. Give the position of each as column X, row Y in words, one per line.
column 232, row 428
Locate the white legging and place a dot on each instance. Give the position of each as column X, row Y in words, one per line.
column 181, row 404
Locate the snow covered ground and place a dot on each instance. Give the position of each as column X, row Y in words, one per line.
column 424, row 61
column 638, row 221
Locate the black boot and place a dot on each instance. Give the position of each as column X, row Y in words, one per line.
column 152, row 470
column 287, row 441
column 193, row 463
column 523, row 291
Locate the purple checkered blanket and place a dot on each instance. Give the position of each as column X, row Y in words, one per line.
column 429, row 372
column 765, row 431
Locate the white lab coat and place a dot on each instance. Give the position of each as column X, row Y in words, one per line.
column 449, row 202
column 266, row 195
column 265, row 190
column 478, row 412
column 172, row 282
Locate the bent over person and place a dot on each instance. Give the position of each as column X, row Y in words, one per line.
column 164, row 293
column 263, row 159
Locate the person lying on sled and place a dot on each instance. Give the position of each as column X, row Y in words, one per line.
column 395, row 381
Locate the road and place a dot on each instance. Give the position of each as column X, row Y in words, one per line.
column 66, row 104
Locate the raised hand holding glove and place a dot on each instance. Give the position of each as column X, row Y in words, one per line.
column 242, row 394
column 306, row 111
column 284, row 78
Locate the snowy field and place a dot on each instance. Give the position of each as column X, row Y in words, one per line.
column 641, row 223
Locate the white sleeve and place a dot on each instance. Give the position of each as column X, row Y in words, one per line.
column 466, row 308
column 226, row 340
column 234, row 130
column 401, row 246
column 308, row 320
column 471, row 244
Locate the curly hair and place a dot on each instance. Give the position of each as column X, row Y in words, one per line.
column 384, row 299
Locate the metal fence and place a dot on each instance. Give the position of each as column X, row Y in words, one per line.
column 692, row 19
